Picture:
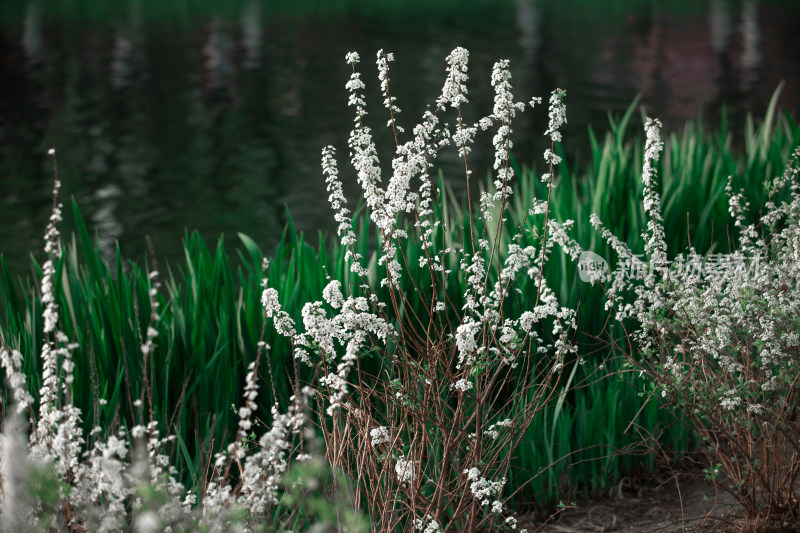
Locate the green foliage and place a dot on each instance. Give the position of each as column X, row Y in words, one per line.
column 591, row 428
column 211, row 318
column 210, row 325
column 693, row 173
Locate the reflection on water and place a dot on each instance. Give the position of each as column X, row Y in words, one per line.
column 251, row 35
column 216, row 121
column 109, row 228
column 528, row 23
column 720, row 23
column 751, row 38
column 32, row 33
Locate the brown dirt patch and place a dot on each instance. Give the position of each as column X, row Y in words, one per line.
column 668, row 506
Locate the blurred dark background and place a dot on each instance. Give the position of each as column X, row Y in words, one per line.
column 211, row 114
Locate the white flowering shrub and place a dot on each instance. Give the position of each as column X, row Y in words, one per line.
column 719, row 336
column 53, row 478
column 424, row 393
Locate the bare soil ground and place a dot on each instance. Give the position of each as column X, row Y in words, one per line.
column 675, row 504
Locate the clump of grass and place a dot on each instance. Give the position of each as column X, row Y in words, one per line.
column 423, row 399
column 593, row 428
column 210, row 317
column 718, row 336
column 120, row 476
column 408, row 440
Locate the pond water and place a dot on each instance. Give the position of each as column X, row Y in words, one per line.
column 210, row 115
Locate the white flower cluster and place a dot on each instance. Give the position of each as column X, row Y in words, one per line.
column 111, row 485
column 655, row 244
column 504, row 111
column 264, row 469
column 494, row 429
column 648, row 298
column 380, row 435
column 50, row 314
column 483, row 337
column 150, row 335
column 466, row 343
column 454, row 92
column 386, row 206
column 12, row 364
column 558, row 117
column 428, row 525
column 730, row 400
column 405, row 469
column 250, row 406
column 755, row 408
column 484, row 490
column 57, row 437
column 351, row 327
column 383, row 76
column 272, row 307
column 462, row 385
column 726, row 345
column 341, row 213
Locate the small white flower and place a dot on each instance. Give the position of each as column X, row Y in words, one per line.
column 379, row 435
column 730, row 400
column 755, row 408
column 462, row 385
column 404, row 468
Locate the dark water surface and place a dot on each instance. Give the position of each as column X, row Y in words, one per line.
column 209, row 115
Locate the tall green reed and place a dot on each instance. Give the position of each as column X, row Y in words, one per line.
column 694, row 173
column 211, row 318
